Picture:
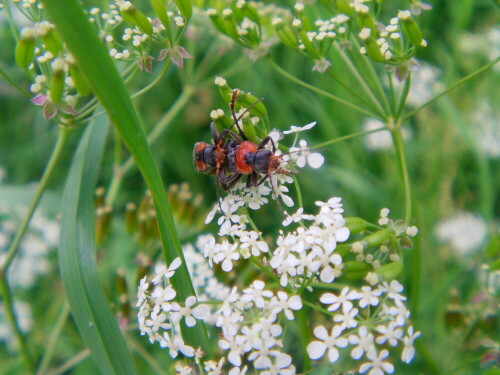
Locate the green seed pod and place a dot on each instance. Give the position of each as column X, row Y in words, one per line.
column 249, row 11
column 230, row 26
column 161, row 12
column 410, row 27
column 285, row 33
column 185, row 8
column 246, row 99
column 217, row 20
column 343, row 249
column 57, row 81
column 52, row 41
column 301, row 14
column 354, row 270
column 355, row 224
column 224, row 89
column 308, row 46
column 376, row 239
column 371, row 46
column 25, row 48
column 345, row 7
column 390, row 271
column 134, row 16
column 365, row 19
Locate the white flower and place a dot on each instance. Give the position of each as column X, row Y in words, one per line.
column 315, row 160
column 296, row 217
column 256, row 294
column 344, row 300
column 409, row 350
column 367, row 296
column 377, row 366
column 321, row 65
column 162, row 271
column 317, row 349
column 141, row 291
column 347, row 318
column 390, row 333
column 285, row 304
column 227, row 253
column 250, row 243
column 200, row 312
column 298, row 129
column 364, row 343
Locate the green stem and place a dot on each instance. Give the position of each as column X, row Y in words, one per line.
column 450, row 88
column 404, row 95
column 16, row 85
column 346, row 137
column 299, row 193
column 160, row 127
column 54, row 158
column 53, row 339
column 322, row 92
column 362, row 81
column 13, row 28
column 12, row 319
column 72, row 362
column 305, row 338
column 398, row 144
column 148, row 358
column 153, row 83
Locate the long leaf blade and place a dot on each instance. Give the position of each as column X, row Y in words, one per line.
column 93, row 59
column 94, row 319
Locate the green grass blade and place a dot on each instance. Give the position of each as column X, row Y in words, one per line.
column 93, row 58
column 94, row 319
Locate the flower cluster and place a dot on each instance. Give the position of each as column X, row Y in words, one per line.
column 370, row 320
column 160, row 316
column 309, row 250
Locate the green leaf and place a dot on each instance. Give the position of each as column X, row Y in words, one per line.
column 93, row 59
column 94, row 319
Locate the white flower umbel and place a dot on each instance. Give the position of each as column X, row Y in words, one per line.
column 464, row 232
column 371, row 321
column 309, row 250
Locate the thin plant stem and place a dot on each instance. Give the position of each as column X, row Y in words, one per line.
column 322, row 92
column 72, row 362
column 148, row 358
column 153, row 83
column 64, row 133
column 374, row 76
column 305, row 336
column 121, row 171
column 404, row 96
column 12, row 319
column 13, row 28
column 299, row 193
column 13, row 83
column 362, row 81
column 53, row 339
column 353, row 92
column 398, row 144
column 450, row 88
column 346, row 137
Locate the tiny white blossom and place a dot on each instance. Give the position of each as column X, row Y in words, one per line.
column 317, row 349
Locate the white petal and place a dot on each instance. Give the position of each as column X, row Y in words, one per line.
column 342, row 234
column 316, row 349
column 315, row 160
column 333, row 355
column 321, row 333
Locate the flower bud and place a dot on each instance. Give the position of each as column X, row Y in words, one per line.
column 224, row 89
column 134, row 16
column 365, row 19
column 390, row 271
column 355, row 224
column 410, row 27
column 25, row 48
column 301, row 14
column 57, row 80
column 185, row 8
column 230, row 26
column 354, row 270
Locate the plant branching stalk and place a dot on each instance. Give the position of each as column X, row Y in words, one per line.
column 362, row 81
column 160, row 127
column 322, row 92
column 153, row 82
column 64, row 132
column 346, row 137
column 398, row 144
column 450, row 88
